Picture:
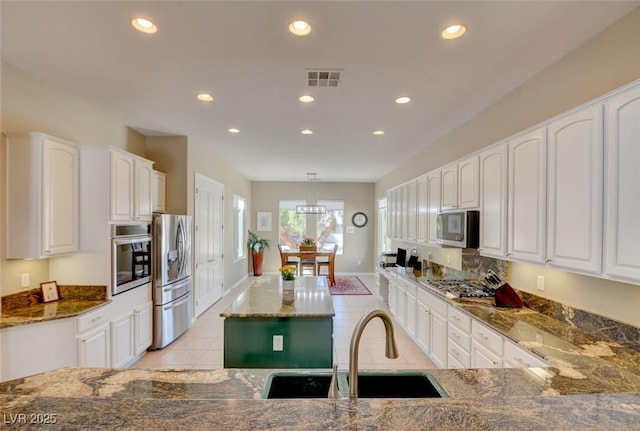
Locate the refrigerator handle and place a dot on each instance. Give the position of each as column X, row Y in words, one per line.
column 180, row 246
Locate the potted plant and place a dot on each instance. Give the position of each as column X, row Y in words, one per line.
column 308, row 241
column 288, row 276
column 257, row 246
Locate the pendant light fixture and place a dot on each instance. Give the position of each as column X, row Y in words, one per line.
column 311, row 208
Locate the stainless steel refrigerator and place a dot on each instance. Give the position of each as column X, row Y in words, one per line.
column 172, row 281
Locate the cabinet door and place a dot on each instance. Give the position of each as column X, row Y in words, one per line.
column 391, row 220
column 412, row 210
column 143, row 203
column 401, row 306
column 122, row 339
column 574, row 194
column 158, row 191
column 94, row 348
column 482, row 357
column 403, row 212
column 423, row 326
column 60, row 192
column 526, row 228
column 438, row 347
column 143, row 328
column 468, row 178
column 410, row 321
column 422, row 192
column 393, row 298
column 433, row 204
column 493, row 202
column 122, row 191
column 449, row 197
column 622, row 257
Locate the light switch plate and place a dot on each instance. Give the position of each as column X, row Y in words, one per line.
column 24, row 280
column 540, row 282
column 278, row 343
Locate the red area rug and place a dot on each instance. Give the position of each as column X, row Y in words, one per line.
column 349, row 285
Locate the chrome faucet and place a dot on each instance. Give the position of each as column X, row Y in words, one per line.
column 391, row 350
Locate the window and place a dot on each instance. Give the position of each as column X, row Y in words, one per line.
column 330, row 226
column 327, row 229
column 239, row 227
column 292, row 226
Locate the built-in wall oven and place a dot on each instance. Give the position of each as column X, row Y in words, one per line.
column 130, row 256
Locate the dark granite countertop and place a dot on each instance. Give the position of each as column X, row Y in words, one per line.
column 25, row 307
column 78, row 398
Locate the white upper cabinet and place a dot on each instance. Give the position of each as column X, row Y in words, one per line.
column 526, row 228
column 434, row 186
column 158, row 191
column 468, row 179
column 460, row 184
column 422, row 191
column 412, row 210
column 449, row 181
column 622, row 258
column 130, row 179
column 493, row 202
column 574, row 193
column 42, row 196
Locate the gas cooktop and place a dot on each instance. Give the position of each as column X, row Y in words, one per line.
column 459, row 289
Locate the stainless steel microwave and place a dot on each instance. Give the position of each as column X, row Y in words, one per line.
column 459, row 229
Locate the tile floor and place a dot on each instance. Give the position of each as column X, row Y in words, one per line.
column 202, row 346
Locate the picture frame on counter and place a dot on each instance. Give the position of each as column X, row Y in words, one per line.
column 50, row 291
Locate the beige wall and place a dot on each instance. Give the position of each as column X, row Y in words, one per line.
column 31, row 105
column 606, row 62
column 358, row 246
column 170, row 156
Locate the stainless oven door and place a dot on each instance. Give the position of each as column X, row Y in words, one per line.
column 131, row 263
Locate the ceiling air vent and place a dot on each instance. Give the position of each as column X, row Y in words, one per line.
column 323, row 78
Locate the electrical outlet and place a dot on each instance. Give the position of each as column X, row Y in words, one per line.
column 278, row 343
column 24, row 280
column 540, row 282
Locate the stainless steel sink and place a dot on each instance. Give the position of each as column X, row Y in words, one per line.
column 371, row 384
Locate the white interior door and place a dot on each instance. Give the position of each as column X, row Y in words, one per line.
column 208, row 243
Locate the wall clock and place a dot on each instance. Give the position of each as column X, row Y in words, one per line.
column 359, row 219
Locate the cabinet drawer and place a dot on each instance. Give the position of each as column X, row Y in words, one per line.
column 487, row 338
column 431, row 301
column 460, row 320
column 460, row 338
column 520, row 357
column 459, row 354
column 93, row 318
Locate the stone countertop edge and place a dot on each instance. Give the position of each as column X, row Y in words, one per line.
column 65, row 308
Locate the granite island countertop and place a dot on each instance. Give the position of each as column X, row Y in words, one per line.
column 80, row 398
column 265, row 298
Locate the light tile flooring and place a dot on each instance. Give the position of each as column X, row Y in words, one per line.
column 202, row 346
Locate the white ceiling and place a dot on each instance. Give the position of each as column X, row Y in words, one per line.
column 243, row 53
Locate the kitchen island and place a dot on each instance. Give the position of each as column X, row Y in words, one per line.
column 266, row 327
column 489, row 399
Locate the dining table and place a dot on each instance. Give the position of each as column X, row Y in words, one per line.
column 286, row 253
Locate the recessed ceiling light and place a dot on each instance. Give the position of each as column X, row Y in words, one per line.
column 233, row 130
column 306, row 98
column 453, row 31
column 205, row 97
column 144, row 25
column 402, row 100
column 307, row 132
column 300, row 28
column 379, row 132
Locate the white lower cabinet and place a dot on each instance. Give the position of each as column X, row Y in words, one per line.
column 486, row 347
column 122, row 337
column 517, row 357
column 431, row 327
column 94, row 347
column 143, row 327
column 458, row 339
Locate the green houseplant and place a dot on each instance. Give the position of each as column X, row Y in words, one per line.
column 257, row 246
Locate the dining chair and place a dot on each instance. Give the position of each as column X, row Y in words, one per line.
column 288, row 260
column 324, row 261
column 307, row 258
